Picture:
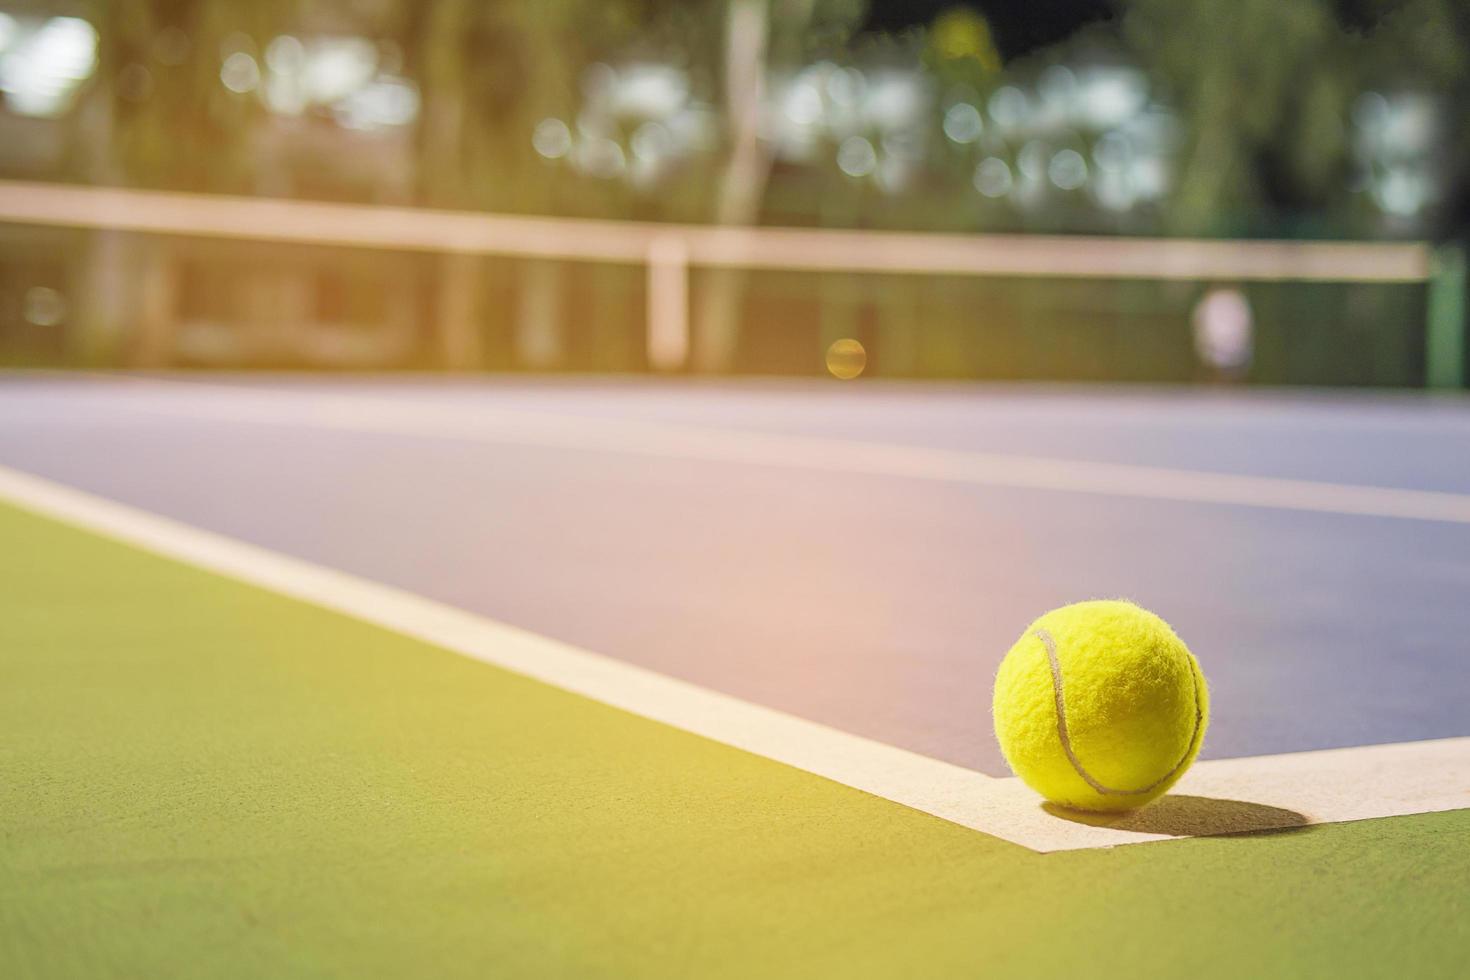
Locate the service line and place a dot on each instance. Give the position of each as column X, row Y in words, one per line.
column 672, row 440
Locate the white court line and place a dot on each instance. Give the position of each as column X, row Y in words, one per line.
column 1270, row 791
column 692, row 442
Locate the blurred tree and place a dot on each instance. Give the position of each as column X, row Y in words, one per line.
column 759, row 35
column 1255, row 79
column 1268, row 88
column 158, row 113
column 743, row 183
column 488, row 72
column 1425, row 45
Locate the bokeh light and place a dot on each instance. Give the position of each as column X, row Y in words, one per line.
column 846, row 359
column 42, row 67
column 856, row 157
column 239, row 73
column 43, row 306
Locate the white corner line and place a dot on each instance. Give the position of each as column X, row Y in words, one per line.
column 1267, row 792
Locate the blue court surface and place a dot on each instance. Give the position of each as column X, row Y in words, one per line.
column 800, row 546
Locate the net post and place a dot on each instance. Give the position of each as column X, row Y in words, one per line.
column 1444, row 334
column 158, row 326
column 540, row 328
column 458, row 334
column 668, row 303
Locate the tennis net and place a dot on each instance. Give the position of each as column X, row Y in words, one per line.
column 154, row 279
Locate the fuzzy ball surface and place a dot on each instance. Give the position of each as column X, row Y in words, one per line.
column 1100, row 706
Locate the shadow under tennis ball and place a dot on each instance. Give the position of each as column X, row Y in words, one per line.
column 1191, row 816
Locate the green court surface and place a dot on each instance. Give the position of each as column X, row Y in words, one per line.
column 200, row 778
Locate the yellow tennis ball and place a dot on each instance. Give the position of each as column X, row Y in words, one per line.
column 1100, row 706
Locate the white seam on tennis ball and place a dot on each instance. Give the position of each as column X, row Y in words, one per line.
column 1056, row 687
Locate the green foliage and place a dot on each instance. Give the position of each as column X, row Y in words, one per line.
column 489, row 72
column 1246, row 73
column 158, row 114
column 1267, row 89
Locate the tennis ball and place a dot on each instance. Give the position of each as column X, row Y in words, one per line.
column 1100, row 706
